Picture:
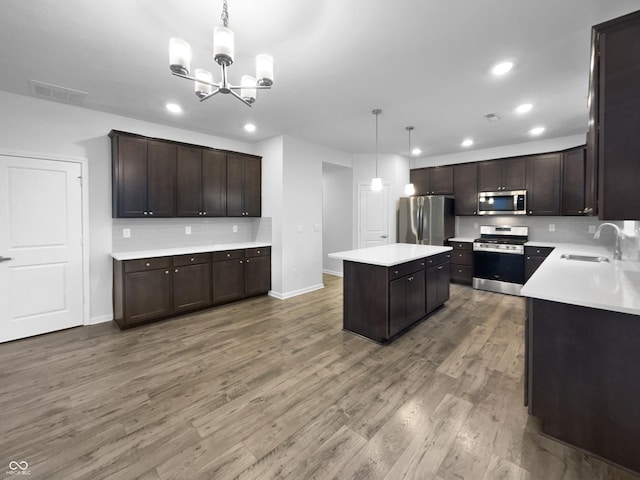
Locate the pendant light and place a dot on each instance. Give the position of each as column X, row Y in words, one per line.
column 376, row 182
column 409, row 188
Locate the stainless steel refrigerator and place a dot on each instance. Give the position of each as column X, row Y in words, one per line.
column 426, row 220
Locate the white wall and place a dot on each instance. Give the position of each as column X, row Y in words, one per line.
column 272, row 152
column 33, row 126
column 529, row 148
column 394, row 171
column 292, row 197
column 337, row 214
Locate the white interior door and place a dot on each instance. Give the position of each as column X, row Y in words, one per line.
column 41, row 287
column 373, row 213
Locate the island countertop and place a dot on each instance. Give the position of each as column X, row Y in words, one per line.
column 613, row 285
column 390, row 255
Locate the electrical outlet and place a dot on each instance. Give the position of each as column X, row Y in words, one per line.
column 235, row 229
column 126, row 233
column 552, row 227
column 592, row 229
column 187, row 230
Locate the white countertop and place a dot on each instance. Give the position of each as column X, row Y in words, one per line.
column 390, row 255
column 462, row 239
column 611, row 286
column 167, row 252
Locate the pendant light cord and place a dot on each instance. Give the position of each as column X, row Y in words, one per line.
column 225, row 14
column 377, row 113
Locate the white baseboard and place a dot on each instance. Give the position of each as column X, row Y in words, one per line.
column 295, row 293
column 100, row 319
column 331, row 272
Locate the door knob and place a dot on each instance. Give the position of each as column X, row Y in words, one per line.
column 5, row 259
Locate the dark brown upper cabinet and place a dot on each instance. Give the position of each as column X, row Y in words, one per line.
column 202, row 182
column 161, row 178
column 465, row 188
column 503, row 174
column 244, row 196
column 578, row 186
column 613, row 141
column 543, row 184
column 144, row 177
column 432, row 180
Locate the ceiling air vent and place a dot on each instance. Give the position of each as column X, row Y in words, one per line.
column 47, row 91
column 492, row 117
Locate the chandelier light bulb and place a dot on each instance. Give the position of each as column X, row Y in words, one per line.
column 223, row 45
column 248, row 90
column 264, row 70
column 179, row 56
column 203, row 89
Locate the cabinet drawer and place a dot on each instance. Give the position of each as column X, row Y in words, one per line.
column 403, row 269
column 462, row 257
column 146, row 264
column 257, row 252
column 438, row 259
column 227, row 255
column 193, row 259
column 461, row 274
column 538, row 251
column 461, row 245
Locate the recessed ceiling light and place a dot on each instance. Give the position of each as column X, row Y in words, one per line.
column 524, row 108
column 250, row 127
column 416, row 151
column 467, row 142
column 502, row 68
column 536, row 130
column 174, row 108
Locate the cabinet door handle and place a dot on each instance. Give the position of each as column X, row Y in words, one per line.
column 192, row 259
column 176, row 270
column 247, row 261
column 410, row 279
column 200, row 213
column 422, row 264
column 530, row 212
column 150, row 213
column 395, row 271
column 204, row 213
column 147, row 264
column 258, row 251
column 228, row 255
column 240, row 261
column 146, row 213
column 440, row 267
column 166, row 272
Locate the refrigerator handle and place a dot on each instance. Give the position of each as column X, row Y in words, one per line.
column 420, row 229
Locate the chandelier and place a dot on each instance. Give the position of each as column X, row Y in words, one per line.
column 223, row 50
column 376, row 182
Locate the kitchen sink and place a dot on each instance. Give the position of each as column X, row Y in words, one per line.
column 584, row 258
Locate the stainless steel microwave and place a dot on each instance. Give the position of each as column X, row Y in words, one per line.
column 502, row 203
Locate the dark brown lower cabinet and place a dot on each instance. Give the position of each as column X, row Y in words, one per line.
column 228, row 276
column 147, row 295
column 534, row 257
column 191, row 282
column 583, row 380
column 150, row 289
column 462, row 262
column 380, row 302
column 437, row 285
column 406, row 301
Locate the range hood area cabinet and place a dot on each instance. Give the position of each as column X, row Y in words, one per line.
column 614, row 116
column 160, row 178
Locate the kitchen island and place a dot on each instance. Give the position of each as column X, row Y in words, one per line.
column 390, row 288
column 581, row 351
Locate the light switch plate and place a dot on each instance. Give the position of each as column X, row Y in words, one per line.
column 552, row 227
column 187, row 230
column 592, row 229
column 126, row 233
column 235, row 229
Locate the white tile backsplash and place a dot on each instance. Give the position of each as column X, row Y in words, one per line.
column 154, row 233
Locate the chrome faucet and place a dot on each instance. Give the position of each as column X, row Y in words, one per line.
column 617, row 251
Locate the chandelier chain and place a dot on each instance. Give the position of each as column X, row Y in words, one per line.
column 225, row 14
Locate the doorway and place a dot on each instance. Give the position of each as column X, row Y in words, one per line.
column 41, row 246
column 373, row 216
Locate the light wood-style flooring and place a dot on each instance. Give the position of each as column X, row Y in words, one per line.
column 272, row 389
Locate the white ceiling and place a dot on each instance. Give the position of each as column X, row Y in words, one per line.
column 423, row 62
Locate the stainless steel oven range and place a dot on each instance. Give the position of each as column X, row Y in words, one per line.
column 498, row 259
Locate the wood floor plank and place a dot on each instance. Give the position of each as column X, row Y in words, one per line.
column 275, row 389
